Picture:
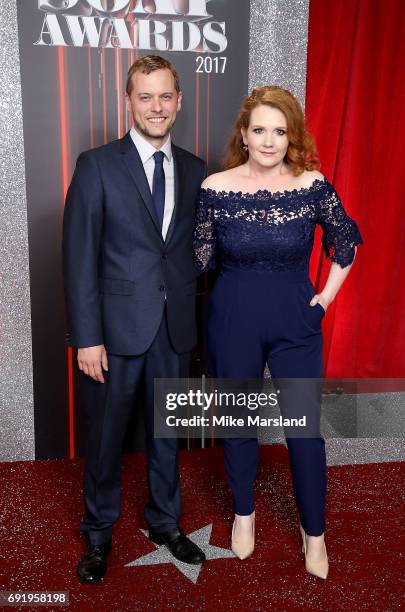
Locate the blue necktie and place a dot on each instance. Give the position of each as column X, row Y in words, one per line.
column 158, row 186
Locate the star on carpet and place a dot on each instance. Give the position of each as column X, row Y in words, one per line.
column 201, row 537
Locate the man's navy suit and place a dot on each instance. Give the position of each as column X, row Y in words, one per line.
column 134, row 292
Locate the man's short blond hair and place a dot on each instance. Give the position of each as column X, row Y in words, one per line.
column 148, row 64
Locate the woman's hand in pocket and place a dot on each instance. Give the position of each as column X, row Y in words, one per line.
column 319, row 299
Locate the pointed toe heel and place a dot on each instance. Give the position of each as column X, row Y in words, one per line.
column 320, row 568
column 244, row 545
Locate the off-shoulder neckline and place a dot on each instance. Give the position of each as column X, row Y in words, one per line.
column 249, row 194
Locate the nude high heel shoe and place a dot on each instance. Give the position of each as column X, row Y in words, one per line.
column 316, row 568
column 244, row 544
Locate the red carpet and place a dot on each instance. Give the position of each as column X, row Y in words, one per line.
column 40, row 542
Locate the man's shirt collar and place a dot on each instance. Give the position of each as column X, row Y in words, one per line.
column 146, row 150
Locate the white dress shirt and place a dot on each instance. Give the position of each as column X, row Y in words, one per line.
column 146, row 151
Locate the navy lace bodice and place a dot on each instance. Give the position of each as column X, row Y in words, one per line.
column 272, row 231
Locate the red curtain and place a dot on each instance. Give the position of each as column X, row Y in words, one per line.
column 355, row 107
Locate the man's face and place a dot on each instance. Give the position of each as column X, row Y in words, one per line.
column 154, row 103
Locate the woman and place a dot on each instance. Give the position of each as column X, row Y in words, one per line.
column 256, row 220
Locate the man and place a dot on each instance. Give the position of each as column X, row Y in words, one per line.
column 130, row 291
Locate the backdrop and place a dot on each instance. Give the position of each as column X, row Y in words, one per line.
column 355, row 106
column 74, row 57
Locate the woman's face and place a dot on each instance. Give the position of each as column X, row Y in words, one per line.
column 266, row 136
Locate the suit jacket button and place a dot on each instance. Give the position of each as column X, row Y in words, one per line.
column 161, row 287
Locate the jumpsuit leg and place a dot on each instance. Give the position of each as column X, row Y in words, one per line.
column 235, row 351
column 299, row 355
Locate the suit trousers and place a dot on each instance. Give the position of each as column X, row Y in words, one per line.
column 108, row 407
column 264, row 317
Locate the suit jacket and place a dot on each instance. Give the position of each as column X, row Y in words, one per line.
column 117, row 268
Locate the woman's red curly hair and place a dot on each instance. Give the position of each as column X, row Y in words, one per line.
column 301, row 153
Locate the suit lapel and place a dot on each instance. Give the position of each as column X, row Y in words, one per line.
column 135, row 168
column 178, row 189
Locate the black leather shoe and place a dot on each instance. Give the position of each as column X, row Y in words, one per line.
column 92, row 566
column 179, row 545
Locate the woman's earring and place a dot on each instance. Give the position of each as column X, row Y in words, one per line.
column 245, row 147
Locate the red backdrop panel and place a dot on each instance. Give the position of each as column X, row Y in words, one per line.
column 355, row 107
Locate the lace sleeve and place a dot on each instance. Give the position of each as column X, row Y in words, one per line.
column 340, row 232
column 204, row 238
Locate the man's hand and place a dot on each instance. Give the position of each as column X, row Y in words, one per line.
column 92, row 360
